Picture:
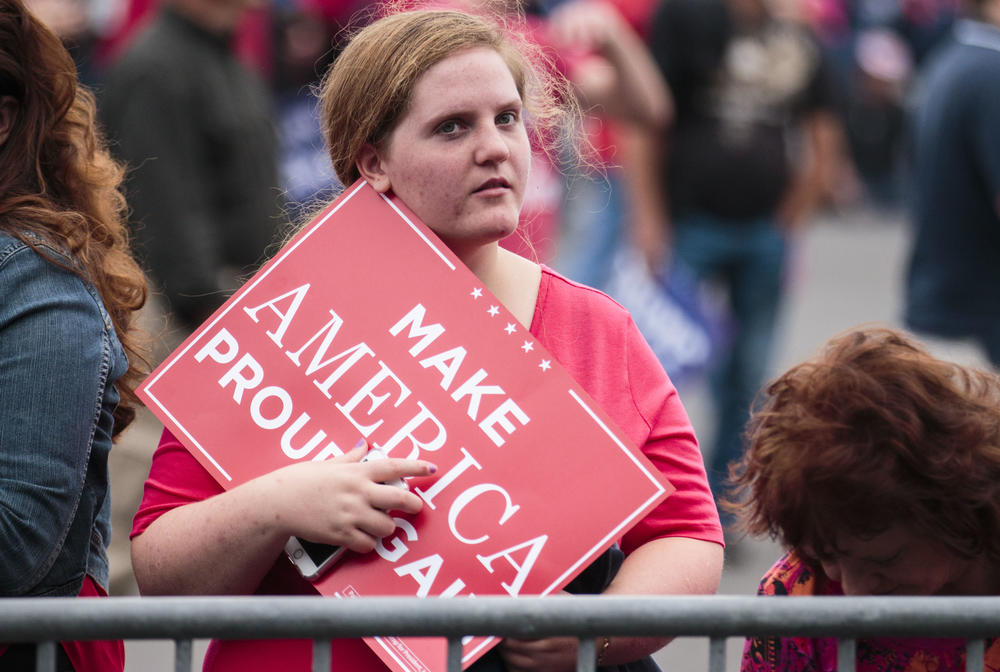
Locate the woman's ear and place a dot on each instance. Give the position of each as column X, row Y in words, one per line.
column 369, row 164
column 8, row 115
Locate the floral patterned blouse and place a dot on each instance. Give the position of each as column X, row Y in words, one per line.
column 791, row 576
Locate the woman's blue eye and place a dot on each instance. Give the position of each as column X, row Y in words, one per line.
column 506, row 118
column 448, row 127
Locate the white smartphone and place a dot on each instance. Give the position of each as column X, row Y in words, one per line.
column 312, row 559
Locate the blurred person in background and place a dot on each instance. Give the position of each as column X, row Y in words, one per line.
column 725, row 189
column 873, row 47
column 78, row 24
column 70, row 355
column 613, row 72
column 304, row 45
column 953, row 277
column 196, row 129
column 874, row 115
column 876, row 466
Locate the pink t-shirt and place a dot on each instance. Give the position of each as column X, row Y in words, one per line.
column 595, row 339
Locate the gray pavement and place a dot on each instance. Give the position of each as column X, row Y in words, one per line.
column 847, row 271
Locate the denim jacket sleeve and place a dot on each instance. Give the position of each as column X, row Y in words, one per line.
column 59, row 358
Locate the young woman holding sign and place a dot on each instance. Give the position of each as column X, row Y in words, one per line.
column 436, row 107
column 69, row 352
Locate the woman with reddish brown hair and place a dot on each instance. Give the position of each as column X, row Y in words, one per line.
column 440, row 109
column 878, row 467
column 69, row 351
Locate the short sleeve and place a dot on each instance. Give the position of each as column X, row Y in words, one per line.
column 690, row 511
column 175, row 478
column 598, row 343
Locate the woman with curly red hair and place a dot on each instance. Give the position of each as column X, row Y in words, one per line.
column 878, row 467
column 69, row 351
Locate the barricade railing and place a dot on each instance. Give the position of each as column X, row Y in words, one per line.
column 184, row 619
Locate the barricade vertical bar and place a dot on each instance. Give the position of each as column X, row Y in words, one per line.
column 975, row 650
column 717, row 654
column 454, row 654
column 321, row 655
column 845, row 655
column 182, row 655
column 45, row 657
column 586, row 655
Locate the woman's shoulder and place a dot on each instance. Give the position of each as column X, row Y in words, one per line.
column 596, row 340
column 560, row 296
column 10, row 245
column 574, row 318
column 38, row 274
column 31, row 248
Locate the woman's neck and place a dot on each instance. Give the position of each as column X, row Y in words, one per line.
column 513, row 279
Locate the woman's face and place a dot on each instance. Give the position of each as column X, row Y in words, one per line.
column 900, row 562
column 459, row 156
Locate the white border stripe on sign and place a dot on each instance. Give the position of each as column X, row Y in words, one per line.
column 420, row 233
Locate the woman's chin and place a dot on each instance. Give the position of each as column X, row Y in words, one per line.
column 486, row 235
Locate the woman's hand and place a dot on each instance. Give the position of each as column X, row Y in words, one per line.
column 611, row 68
column 343, row 501
column 591, row 25
column 665, row 566
column 551, row 654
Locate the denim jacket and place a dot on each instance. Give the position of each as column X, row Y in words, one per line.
column 59, row 359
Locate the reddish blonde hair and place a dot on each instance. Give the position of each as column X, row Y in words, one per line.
column 58, row 182
column 871, row 432
column 368, row 88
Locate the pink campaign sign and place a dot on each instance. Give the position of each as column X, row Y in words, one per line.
column 365, row 324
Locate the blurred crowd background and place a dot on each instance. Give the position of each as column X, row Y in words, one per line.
column 875, row 49
column 201, row 225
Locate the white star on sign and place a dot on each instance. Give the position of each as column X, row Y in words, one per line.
column 476, row 293
column 528, row 346
column 545, row 365
column 494, row 311
column 510, row 328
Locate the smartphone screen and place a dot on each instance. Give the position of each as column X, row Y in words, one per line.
column 310, row 558
column 318, row 553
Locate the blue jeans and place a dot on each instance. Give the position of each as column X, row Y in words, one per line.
column 747, row 259
column 592, row 213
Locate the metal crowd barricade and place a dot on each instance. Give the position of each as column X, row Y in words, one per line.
column 183, row 619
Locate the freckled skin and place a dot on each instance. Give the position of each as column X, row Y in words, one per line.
column 460, row 156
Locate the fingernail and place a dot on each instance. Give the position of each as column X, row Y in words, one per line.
column 360, row 443
column 431, row 468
